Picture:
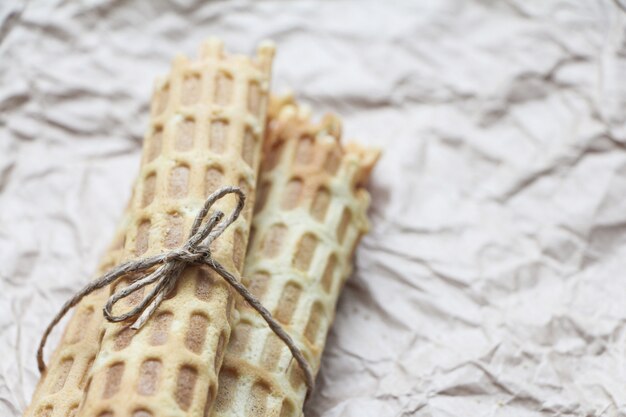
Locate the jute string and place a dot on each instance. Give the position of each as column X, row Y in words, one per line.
column 195, row 251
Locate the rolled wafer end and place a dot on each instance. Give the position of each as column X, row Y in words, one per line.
column 277, row 103
column 212, row 48
column 265, row 54
column 331, row 125
column 180, row 60
column 366, row 157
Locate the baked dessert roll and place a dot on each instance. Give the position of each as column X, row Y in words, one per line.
column 309, row 216
column 206, row 129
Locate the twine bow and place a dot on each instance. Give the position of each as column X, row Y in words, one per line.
column 196, row 251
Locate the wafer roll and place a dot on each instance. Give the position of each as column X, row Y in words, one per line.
column 207, row 121
column 61, row 387
column 310, row 215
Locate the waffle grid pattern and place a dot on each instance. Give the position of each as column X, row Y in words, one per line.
column 311, row 213
column 61, row 389
column 207, row 122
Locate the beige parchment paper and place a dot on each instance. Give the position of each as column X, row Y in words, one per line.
column 493, row 282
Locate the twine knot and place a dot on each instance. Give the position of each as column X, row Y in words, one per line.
column 169, row 266
column 198, row 255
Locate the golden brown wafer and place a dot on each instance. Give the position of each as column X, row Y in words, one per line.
column 310, row 215
column 207, row 121
column 61, row 387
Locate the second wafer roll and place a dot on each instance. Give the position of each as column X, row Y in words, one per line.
column 309, row 217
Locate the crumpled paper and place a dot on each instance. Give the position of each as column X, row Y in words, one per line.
column 493, row 282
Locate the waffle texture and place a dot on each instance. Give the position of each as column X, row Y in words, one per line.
column 61, row 387
column 206, row 129
column 309, row 217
